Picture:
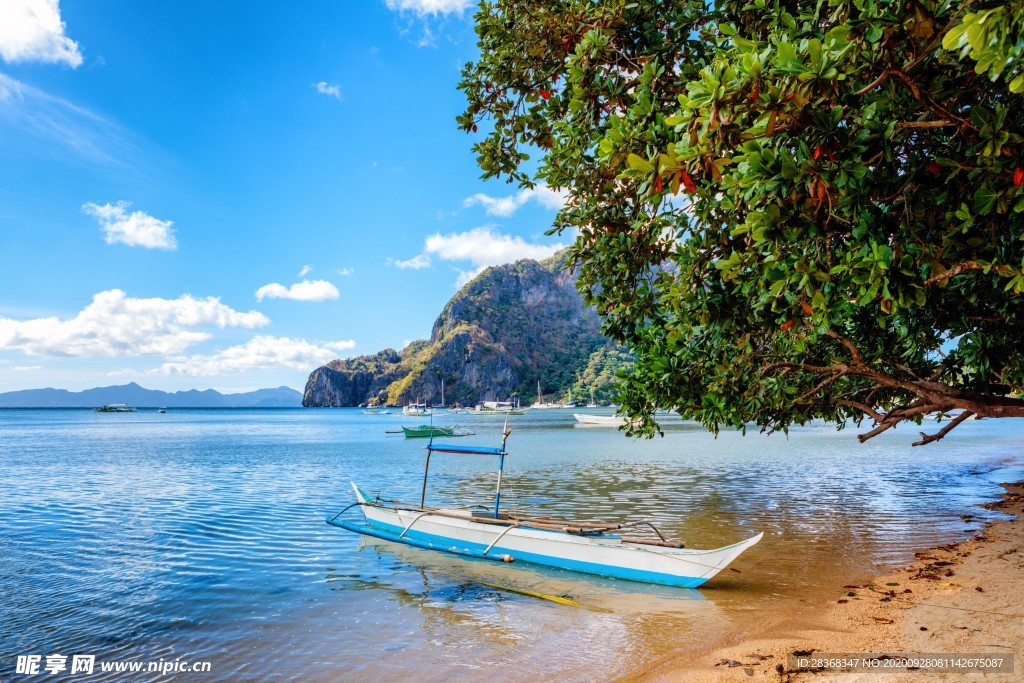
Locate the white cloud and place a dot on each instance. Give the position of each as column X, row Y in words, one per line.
column 117, row 325
column 32, row 31
column 307, row 290
column 345, row 272
column 466, row 275
column 35, row 115
column 428, row 7
column 481, row 247
column 415, row 263
column 259, row 353
column 506, row 206
column 305, row 270
column 485, row 247
column 325, row 88
column 136, row 229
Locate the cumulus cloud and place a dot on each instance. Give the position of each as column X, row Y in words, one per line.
column 136, row 229
column 117, row 325
column 32, row 31
column 325, row 88
column 481, row 247
column 506, row 206
column 307, row 290
column 428, row 7
column 485, row 247
column 415, row 263
column 259, row 353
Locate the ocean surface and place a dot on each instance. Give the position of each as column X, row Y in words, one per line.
column 199, row 536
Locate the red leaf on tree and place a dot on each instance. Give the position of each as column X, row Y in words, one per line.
column 806, row 308
column 474, row 127
column 786, row 325
column 657, row 184
column 687, row 182
column 545, row 94
column 1018, row 176
column 817, row 152
column 933, row 167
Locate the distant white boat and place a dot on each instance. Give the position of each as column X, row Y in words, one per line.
column 570, row 403
column 376, row 411
column 498, row 408
column 605, row 420
column 540, row 404
column 417, row 409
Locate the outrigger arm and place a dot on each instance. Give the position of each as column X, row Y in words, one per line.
column 500, row 452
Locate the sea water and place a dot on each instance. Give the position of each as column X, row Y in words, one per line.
column 198, row 536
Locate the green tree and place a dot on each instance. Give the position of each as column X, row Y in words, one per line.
column 787, row 210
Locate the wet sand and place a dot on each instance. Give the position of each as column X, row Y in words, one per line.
column 959, row 598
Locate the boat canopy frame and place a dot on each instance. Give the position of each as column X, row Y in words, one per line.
column 468, row 450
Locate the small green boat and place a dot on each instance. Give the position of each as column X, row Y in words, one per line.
column 434, row 430
column 428, row 430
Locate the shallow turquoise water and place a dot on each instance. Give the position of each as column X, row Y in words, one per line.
column 199, row 535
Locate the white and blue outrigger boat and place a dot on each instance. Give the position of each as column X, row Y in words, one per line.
column 591, row 547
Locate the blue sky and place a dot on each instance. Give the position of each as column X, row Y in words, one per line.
column 226, row 195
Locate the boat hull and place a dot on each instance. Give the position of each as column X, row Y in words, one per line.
column 426, row 431
column 601, row 420
column 604, row 555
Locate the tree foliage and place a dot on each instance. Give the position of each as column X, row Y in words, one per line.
column 787, row 210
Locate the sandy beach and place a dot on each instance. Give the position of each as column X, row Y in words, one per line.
column 956, row 599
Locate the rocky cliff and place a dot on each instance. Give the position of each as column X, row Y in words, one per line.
column 507, row 329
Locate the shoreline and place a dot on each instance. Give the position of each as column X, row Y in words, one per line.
column 960, row 598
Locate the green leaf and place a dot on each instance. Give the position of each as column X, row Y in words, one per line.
column 984, row 201
column 638, row 163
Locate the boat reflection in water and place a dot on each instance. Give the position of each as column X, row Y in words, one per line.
column 493, row 609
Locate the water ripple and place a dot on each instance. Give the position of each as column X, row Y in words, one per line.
column 199, row 535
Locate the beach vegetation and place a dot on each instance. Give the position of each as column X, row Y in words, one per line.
column 787, row 211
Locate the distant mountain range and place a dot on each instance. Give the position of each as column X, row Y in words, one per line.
column 140, row 397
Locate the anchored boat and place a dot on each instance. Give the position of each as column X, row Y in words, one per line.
column 435, row 430
column 604, row 420
column 605, row 549
column 498, row 408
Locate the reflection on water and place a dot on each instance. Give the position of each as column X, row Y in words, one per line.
column 199, row 535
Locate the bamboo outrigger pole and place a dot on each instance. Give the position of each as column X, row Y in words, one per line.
column 501, row 466
column 426, row 468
